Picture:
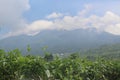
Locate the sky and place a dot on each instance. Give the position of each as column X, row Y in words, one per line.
column 30, row 17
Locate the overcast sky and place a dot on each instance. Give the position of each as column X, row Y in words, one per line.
column 29, row 17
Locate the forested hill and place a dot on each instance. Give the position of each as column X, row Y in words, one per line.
column 111, row 51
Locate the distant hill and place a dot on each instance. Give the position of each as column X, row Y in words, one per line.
column 111, row 51
column 61, row 41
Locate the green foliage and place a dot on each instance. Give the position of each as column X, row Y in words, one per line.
column 28, row 48
column 107, row 51
column 14, row 66
column 48, row 57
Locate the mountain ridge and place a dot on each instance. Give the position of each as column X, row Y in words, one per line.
column 60, row 41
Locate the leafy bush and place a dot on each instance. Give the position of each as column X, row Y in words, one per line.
column 14, row 66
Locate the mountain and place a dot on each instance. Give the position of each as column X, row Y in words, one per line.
column 60, row 41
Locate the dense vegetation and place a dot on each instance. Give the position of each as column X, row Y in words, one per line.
column 111, row 51
column 15, row 66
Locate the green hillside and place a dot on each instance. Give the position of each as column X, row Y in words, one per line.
column 111, row 51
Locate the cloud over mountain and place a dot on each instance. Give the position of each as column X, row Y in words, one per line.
column 109, row 22
column 11, row 18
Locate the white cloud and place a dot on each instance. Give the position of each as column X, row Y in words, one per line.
column 31, row 29
column 11, row 16
column 109, row 22
column 54, row 15
column 85, row 11
column 113, row 29
column 104, row 23
column 37, row 26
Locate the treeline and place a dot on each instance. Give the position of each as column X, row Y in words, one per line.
column 15, row 66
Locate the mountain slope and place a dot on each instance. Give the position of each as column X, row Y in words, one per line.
column 60, row 41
